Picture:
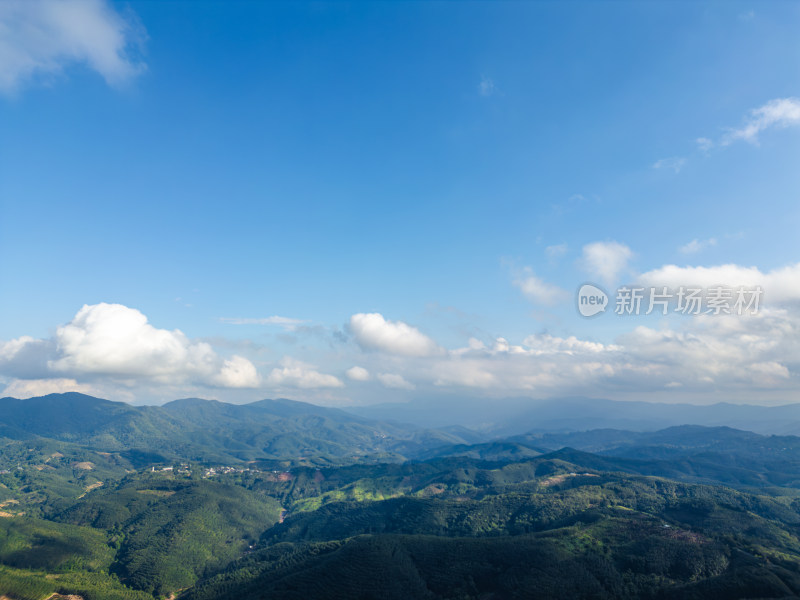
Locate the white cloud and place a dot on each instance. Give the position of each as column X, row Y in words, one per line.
column 295, row 373
column 606, row 260
column 238, row 372
column 501, row 346
column 541, row 362
column 473, row 345
column 676, row 163
column 704, row 144
column 40, row 38
column 552, row 366
column 701, row 357
column 778, row 113
column 548, row 344
column 466, row 372
column 9, row 350
column 775, row 114
column 114, row 341
column 357, row 374
column 286, row 322
column 697, row 245
column 771, row 369
column 31, row 388
column 779, row 285
column 486, row 87
column 537, row 290
column 392, row 380
column 373, row 332
column 726, row 352
column 26, row 357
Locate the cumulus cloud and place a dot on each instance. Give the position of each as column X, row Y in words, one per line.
column 779, row 285
column 357, row 374
column 9, row 350
column 779, row 113
column 697, row 245
column 537, row 290
column 372, row 332
column 473, row 345
column 237, row 372
column 114, row 341
column 701, row 356
column 606, row 260
column 549, row 344
column 26, row 357
column 761, row 350
column 392, row 380
column 31, row 388
column 295, row 373
column 542, row 364
column 40, row 38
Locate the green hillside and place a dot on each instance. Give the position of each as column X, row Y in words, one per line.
column 212, row 431
column 168, row 533
column 278, row 499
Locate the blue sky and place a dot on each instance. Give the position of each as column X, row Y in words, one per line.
column 243, row 200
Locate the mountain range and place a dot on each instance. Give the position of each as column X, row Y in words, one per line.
column 512, row 416
column 201, row 499
column 209, row 430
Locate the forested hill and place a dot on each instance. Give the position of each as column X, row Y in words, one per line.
column 691, row 453
column 115, row 502
column 209, row 430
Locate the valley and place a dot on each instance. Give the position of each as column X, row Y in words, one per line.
column 687, row 511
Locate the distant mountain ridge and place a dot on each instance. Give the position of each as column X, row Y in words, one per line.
column 514, row 416
column 76, row 417
column 439, row 507
column 732, row 457
column 209, row 430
